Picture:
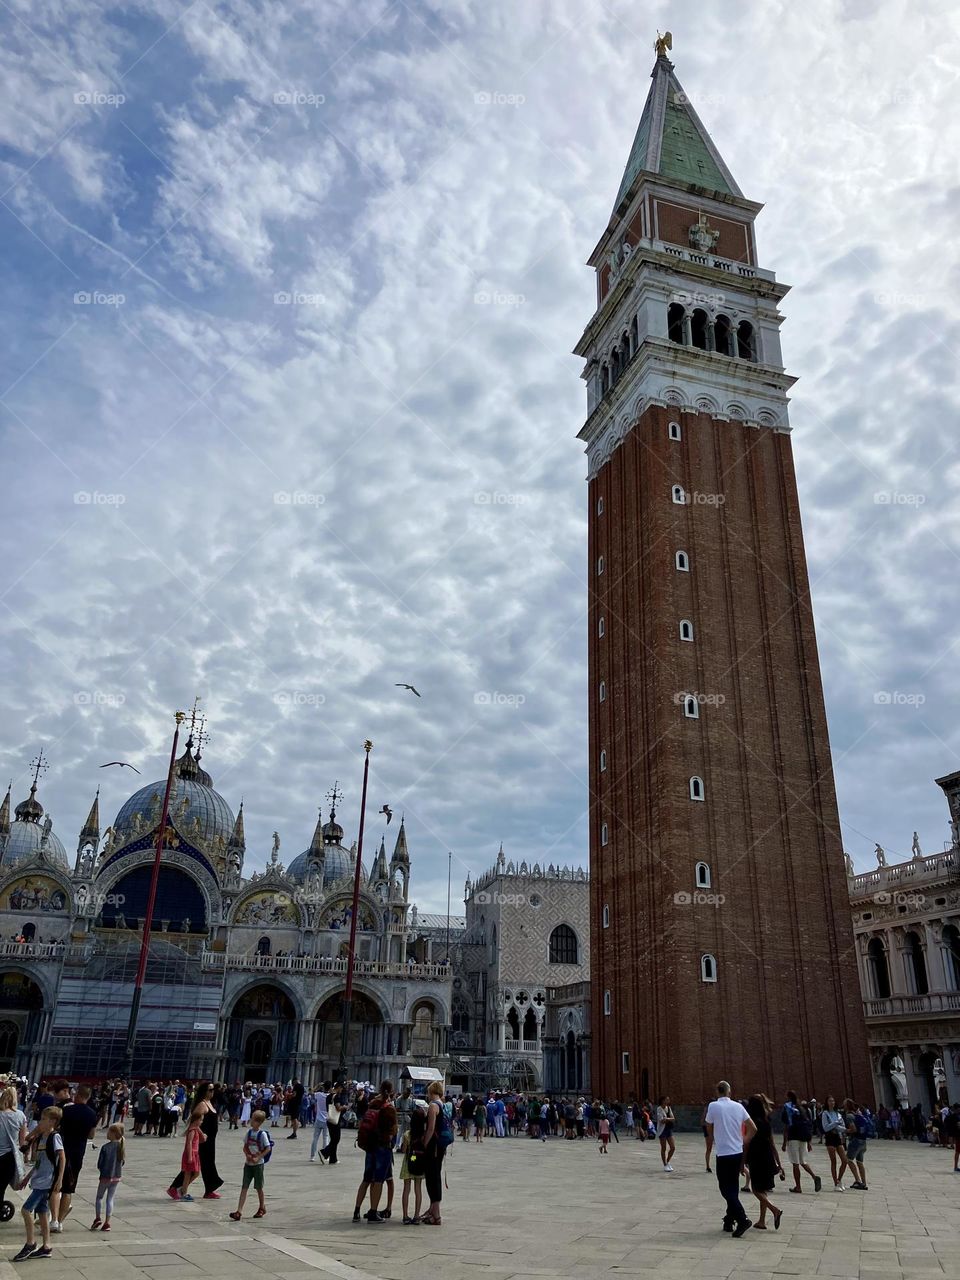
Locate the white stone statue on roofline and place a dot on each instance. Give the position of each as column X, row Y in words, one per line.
column 881, row 855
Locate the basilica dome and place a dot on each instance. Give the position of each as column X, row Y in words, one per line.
column 327, row 845
column 24, row 843
column 196, row 810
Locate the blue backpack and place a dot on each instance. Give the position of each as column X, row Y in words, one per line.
column 269, row 1152
column 444, row 1130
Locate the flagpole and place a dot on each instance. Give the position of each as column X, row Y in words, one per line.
column 449, row 867
column 151, row 902
column 351, row 954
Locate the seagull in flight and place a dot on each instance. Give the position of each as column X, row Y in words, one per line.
column 388, row 811
column 407, row 686
column 122, row 763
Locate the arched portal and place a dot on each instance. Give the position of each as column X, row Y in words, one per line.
column 9, row 1037
column 928, row 1080
column 262, row 1035
column 363, row 1031
column 22, row 1021
column 180, row 906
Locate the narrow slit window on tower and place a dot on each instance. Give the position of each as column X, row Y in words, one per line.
column 603, row 691
column 703, row 875
column 604, row 836
column 708, row 968
column 599, row 565
column 679, row 497
column 625, row 1063
column 607, row 1003
column 601, row 628
column 686, row 630
column 599, row 506
column 691, row 707
column 606, row 916
column 683, row 562
column 696, row 789
column 674, row 430
column 603, row 761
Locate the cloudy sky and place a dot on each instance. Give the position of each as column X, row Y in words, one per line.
column 288, row 414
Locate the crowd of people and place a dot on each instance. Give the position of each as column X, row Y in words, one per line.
column 44, row 1155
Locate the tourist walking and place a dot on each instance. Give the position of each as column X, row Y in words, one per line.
column 797, row 1140
column 78, row 1126
column 834, row 1133
column 763, row 1161
column 707, row 1139
column 375, row 1136
column 209, row 1124
column 855, row 1126
column 293, row 1107
column 110, row 1170
column 412, row 1166
column 336, row 1104
column 46, row 1148
column 730, row 1127
column 665, row 1123
column 321, row 1134
column 256, row 1152
column 190, row 1160
column 438, row 1136
column 13, row 1135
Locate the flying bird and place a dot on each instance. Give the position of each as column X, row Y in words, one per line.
column 122, row 763
column 388, row 811
column 407, row 686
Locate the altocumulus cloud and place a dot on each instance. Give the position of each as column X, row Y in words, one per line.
column 310, row 428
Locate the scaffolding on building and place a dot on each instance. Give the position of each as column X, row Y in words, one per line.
column 179, row 1014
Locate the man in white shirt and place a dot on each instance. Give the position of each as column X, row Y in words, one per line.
column 321, row 1135
column 728, row 1124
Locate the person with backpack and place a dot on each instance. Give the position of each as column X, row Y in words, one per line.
column 257, row 1150
column 797, row 1135
column 438, row 1137
column 45, row 1180
column 375, row 1137
column 855, row 1125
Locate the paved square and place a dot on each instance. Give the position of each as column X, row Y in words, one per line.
column 514, row 1208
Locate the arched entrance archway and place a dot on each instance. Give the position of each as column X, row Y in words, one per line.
column 928, row 1081
column 364, row 1034
column 262, row 1035
column 22, row 1024
column 9, row 1036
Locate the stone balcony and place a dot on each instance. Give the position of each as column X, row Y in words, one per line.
column 44, row 951
column 220, row 961
column 935, row 1002
column 905, row 876
column 522, row 1046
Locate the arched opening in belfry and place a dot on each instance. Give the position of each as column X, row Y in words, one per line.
column 675, row 314
column 698, row 329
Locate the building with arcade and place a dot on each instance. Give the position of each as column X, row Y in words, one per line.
column 246, row 972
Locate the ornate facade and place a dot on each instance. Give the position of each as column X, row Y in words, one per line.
column 246, row 971
column 906, row 919
column 526, row 933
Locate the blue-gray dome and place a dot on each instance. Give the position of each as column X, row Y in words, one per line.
column 188, row 800
column 24, row 842
column 337, row 863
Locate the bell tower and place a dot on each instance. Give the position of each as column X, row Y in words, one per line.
column 722, row 943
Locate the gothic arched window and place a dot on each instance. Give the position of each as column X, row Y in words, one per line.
column 698, row 329
column 564, row 948
column 675, row 315
column 708, row 968
column 877, row 958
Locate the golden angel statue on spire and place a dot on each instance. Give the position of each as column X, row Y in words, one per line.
column 663, row 43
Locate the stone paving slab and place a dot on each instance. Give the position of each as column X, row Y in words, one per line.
column 514, row 1210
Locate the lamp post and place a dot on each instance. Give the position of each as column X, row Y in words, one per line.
column 351, row 953
column 151, row 901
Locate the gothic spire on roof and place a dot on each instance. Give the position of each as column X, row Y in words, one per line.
column 671, row 140
column 237, row 839
column 400, row 852
column 379, row 872
column 91, row 828
column 5, row 812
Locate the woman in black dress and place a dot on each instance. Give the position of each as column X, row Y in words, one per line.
column 203, row 1098
column 763, row 1161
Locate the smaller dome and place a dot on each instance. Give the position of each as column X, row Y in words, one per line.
column 24, row 842
column 332, row 831
column 29, row 810
column 337, row 863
